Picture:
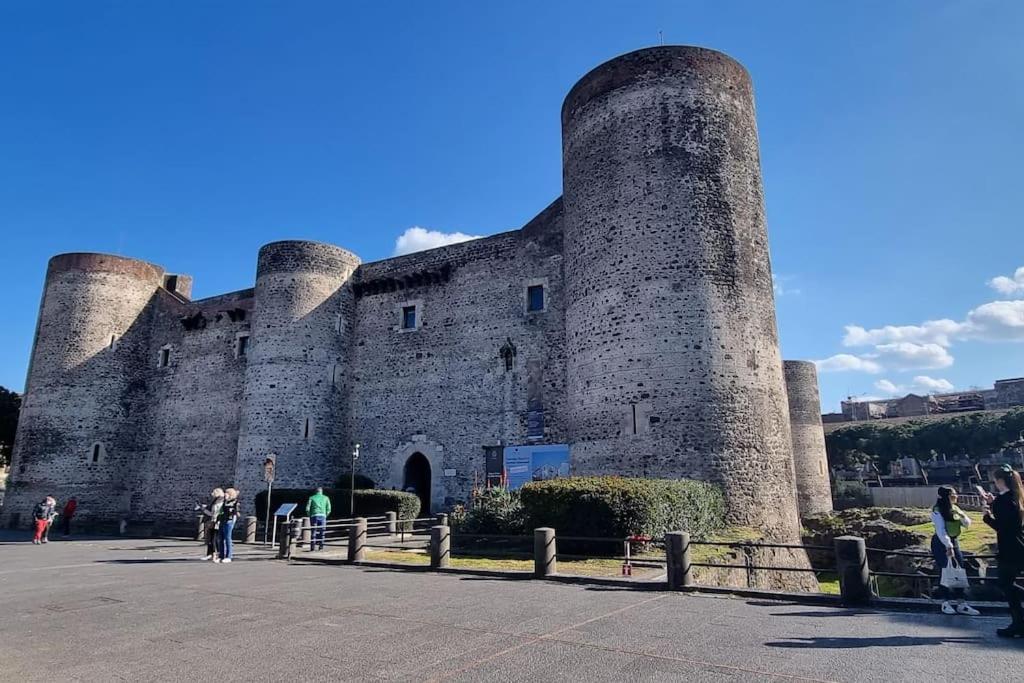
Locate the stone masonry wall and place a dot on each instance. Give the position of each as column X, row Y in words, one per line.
column 673, row 357
column 443, row 389
column 810, row 462
column 80, row 429
column 195, row 404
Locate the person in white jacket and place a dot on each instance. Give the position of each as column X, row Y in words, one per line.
column 949, row 521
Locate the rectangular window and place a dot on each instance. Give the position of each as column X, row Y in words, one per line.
column 408, row 317
column 535, row 298
column 165, row 357
column 96, row 452
column 242, row 347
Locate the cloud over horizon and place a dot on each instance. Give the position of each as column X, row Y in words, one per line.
column 420, row 239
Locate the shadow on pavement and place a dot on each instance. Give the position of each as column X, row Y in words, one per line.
column 828, row 643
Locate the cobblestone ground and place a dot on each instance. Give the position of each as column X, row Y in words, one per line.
column 122, row 609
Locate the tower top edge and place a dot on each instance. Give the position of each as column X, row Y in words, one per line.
column 92, row 262
column 662, row 59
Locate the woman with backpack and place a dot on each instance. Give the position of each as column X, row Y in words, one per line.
column 228, row 516
column 42, row 515
column 1005, row 513
column 949, row 522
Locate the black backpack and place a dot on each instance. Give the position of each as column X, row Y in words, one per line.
column 40, row 511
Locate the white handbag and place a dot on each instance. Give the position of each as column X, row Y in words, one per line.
column 954, row 575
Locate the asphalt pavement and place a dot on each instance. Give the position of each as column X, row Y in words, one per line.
column 128, row 609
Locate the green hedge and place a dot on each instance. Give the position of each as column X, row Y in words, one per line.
column 369, row 502
column 616, row 507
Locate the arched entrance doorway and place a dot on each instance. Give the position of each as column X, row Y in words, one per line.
column 416, row 480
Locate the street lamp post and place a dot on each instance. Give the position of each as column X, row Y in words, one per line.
column 352, row 482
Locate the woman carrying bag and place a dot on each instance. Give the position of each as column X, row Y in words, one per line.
column 1005, row 514
column 950, row 521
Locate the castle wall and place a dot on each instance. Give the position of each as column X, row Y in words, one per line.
column 673, row 358
column 443, row 389
column 810, row 462
column 295, row 398
column 193, row 420
column 79, row 430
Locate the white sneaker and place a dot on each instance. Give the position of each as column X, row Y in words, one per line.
column 208, row 557
column 217, row 560
column 228, row 559
column 947, row 608
column 964, row 608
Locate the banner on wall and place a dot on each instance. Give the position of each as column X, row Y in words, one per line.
column 535, row 463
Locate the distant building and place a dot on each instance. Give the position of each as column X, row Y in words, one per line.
column 1007, row 393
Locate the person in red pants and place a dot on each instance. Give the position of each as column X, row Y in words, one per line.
column 42, row 515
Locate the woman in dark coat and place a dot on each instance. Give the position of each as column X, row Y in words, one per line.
column 1005, row 513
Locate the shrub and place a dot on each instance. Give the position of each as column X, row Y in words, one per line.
column 850, row 494
column 494, row 511
column 369, row 502
column 616, row 507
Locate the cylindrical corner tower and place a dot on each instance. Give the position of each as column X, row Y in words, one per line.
column 77, row 435
column 673, row 357
column 294, row 398
column 809, row 459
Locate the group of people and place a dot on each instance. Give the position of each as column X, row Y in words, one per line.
column 43, row 515
column 219, row 516
column 1004, row 512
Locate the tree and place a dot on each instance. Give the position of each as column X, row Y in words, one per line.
column 10, row 405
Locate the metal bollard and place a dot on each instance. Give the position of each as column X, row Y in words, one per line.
column 544, row 554
column 294, row 535
column 250, row 530
column 392, row 522
column 440, row 546
column 852, row 566
column 357, row 540
column 442, row 519
column 284, row 544
column 307, row 533
column 200, row 528
column 677, row 556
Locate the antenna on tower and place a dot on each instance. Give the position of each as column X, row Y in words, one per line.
column 661, row 37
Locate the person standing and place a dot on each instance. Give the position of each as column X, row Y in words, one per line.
column 69, row 512
column 318, row 508
column 53, row 515
column 949, row 522
column 1005, row 513
column 228, row 516
column 42, row 513
column 211, row 517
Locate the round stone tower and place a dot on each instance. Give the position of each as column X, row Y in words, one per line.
column 673, row 357
column 78, row 434
column 809, row 460
column 294, row 397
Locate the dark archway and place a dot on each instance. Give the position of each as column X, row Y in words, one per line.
column 417, row 480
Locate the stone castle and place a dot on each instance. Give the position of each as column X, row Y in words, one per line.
column 633, row 319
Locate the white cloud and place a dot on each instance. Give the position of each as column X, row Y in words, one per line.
column 779, row 285
column 921, row 384
column 418, row 239
column 997, row 321
column 1013, row 284
column 909, row 356
column 929, row 332
column 845, row 362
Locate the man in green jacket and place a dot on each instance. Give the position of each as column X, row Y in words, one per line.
column 318, row 507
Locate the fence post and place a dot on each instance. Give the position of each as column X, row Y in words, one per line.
column 284, row 543
column 250, row 530
column 295, row 534
column 440, row 546
column 852, row 567
column 307, row 533
column 677, row 559
column 392, row 524
column 357, row 540
column 200, row 528
column 544, row 554
column 442, row 519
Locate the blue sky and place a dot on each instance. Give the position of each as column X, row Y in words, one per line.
column 189, row 134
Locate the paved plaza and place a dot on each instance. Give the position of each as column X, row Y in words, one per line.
column 127, row 609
